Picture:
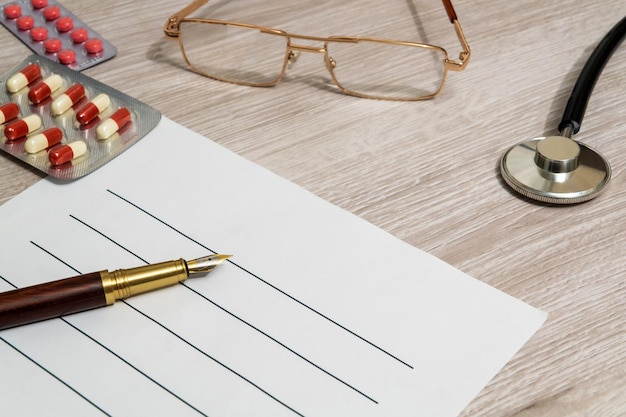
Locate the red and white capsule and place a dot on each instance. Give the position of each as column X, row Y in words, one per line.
column 25, row 76
column 119, row 119
column 66, row 100
column 66, row 153
column 92, row 109
column 8, row 112
column 44, row 89
column 22, row 127
column 43, row 140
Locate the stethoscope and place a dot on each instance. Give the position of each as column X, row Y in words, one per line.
column 558, row 169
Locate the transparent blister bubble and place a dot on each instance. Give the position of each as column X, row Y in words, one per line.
column 99, row 151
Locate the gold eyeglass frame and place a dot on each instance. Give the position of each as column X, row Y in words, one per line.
column 172, row 30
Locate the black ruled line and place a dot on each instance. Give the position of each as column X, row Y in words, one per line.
column 55, row 377
column 296, row 300
column 181, row 339
column 46, row 370
column 231, row 314
column 108, row 238
column 282, row 345
column 110, row 350
column 8, row 282
column 323, row 316
column 135, row 368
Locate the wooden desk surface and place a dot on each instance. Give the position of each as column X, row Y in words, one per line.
column 427, row 172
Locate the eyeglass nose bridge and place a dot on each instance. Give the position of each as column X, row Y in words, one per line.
column 294, row 50
column 305, row 48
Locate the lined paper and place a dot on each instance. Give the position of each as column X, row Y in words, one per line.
column 318, row 313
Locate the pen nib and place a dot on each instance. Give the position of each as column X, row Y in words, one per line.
column 205, row 264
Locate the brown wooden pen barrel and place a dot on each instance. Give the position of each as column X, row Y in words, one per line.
column 52, row 299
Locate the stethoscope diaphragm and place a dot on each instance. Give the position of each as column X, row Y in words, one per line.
column 556, row 170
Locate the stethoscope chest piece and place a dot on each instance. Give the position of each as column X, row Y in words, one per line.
column 555, row 169
column 558, row 169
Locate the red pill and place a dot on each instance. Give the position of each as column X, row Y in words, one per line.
column 39, row 4
column 11, row 11
column 79, row 35
column 93, row 46
column 24, row 77
column 25, row 22
column 66, row 56
column 92, row 109
column 65, row 24
column 8, row 112
column 52, row 45
column 66, row 100
column 43, row 90
column 65, row 153
column 43, row 140
column 51, row 13
column 39, row 34
column 22, row 127
column 114, row 123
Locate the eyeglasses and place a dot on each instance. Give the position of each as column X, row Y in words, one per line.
column 252, row 55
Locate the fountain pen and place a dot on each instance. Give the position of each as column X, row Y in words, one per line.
column 96, row 289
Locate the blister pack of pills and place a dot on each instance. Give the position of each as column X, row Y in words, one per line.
column 65, row 123
column 50, row 30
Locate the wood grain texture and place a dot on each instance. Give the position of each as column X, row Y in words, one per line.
column 51, row 299
column 427, row 172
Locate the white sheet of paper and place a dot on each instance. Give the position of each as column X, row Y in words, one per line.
column 319, row 313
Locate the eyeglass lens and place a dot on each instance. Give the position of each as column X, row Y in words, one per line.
column 233, row 53
column 381, row 69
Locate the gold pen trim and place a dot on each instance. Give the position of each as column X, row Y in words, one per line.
column 124, row 283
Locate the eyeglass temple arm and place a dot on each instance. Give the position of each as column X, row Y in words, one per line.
column 171, row 25
column 465, row 54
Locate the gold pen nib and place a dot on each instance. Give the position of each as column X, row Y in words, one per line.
column 205, row 264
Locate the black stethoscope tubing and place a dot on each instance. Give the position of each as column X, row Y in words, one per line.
column 577, row 103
